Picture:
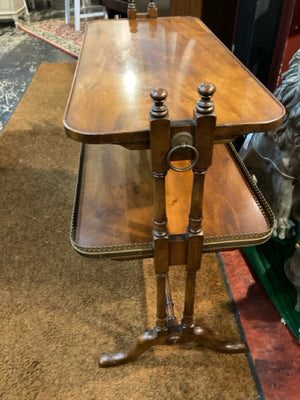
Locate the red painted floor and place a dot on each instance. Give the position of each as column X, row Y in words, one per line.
column 275, row 351
column 293, row 44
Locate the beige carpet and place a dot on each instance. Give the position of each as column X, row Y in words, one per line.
column 60, row 311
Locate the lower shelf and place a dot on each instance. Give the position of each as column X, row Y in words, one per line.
column 113, row 208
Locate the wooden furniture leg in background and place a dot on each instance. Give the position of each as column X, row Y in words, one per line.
column 152, row 11
column 168, row 330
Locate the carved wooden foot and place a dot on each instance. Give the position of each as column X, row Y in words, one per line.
column 156, row 337
column 143, row 343
column 206, row 338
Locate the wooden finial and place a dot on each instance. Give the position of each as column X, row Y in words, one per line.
column 206, row 90
column 131, row 4
column 159, row 109
column 152, row 9
column 131, row 9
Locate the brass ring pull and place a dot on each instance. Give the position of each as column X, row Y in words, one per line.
column 182, row 141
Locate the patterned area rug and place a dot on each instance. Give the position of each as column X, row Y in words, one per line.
column 57, row 33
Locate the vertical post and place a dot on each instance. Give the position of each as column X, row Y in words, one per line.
column 160, row 143
column 205, row 121
column 131, row 9
column 152, row 9
column 77, row 14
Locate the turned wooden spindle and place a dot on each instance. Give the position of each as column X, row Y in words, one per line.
column 160, row 143
column 131, row 9
column 152, row 10
column 205, row 105
column 159, row 109
column 204, row 140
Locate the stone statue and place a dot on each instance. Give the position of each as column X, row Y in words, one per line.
column 273, row 158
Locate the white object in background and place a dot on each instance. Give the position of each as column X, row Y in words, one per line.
column 84, row 7
column 12, row 9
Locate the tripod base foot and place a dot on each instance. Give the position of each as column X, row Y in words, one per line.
column 181, row 335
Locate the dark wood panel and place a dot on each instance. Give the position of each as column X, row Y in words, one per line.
column 280, row 45
column 187, row 7
column 221, row 17
column 262, row 32
column 295, row 25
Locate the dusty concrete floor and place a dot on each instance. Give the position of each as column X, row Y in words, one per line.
column 20, row 56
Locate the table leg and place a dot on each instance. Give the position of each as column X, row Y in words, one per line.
column 168, row 330
column 174, row 334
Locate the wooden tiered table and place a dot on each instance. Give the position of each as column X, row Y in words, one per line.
column 128, row 177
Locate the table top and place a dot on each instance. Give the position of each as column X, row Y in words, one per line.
column 123, row 60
